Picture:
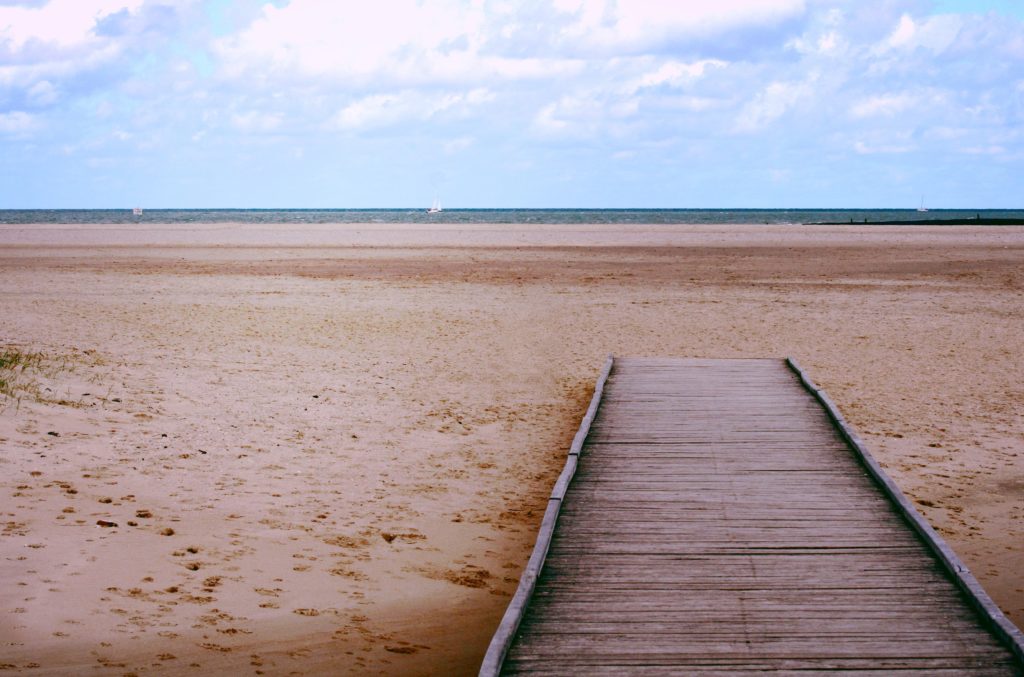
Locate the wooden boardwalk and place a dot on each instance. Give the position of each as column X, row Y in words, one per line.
column 721, row 520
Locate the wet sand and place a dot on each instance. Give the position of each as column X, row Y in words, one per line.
column 327, row 449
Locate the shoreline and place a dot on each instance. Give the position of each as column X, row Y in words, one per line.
column 930, row 222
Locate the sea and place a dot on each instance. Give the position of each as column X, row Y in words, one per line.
column 510, row 216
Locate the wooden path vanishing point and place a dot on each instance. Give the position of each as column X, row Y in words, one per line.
column 719, row 517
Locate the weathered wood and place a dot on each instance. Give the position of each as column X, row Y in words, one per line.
column 505, row 633
column 719, row 517
column 1007, row 632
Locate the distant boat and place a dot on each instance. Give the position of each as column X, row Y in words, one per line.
column 436, row 207
column 137, row 211
column 922, row 208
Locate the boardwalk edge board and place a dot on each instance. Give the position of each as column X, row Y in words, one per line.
column 1005, row 630
column 973, row 602
column 502, row 640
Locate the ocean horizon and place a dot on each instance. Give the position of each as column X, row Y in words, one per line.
column 509, row 215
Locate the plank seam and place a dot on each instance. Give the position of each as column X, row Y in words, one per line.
column 502, row 640
column 1005, row 630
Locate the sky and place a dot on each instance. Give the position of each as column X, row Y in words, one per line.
column 497, row 103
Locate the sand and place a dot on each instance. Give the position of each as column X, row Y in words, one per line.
column 327, row 448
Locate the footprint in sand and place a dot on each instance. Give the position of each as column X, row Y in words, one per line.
column 401, row 649
column 407, row 537
column 267, row 591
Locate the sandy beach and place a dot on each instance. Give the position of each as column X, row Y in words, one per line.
column 326, row 449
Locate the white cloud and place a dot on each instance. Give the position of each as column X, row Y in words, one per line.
column 64, row 23
column 831, row 43
column 43, row 93
column 904, row 33
column 676, row 74
column 17, row 122
column 694, row 104
column 864, row 148
column 376, row 110
column 883, row 105
column 316, row 38
column 936, row 33
column 541, row 84
column 627, row 92
column 58, row 39
column 548, row 121
column 256, row 121
column 947, row 133
column 103, row 110
column 407, row 42
column 993, row 149
column 56, row 65
column 638, row 23
column 772, row 103
column 457, row 145
column 381, row 110
column 584, row 113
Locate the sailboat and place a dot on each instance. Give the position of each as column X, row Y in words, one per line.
column 435, row 207
column 922, row 208
column 137, row 211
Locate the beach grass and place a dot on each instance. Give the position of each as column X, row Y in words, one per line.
column 17, row 369
column 23, row 371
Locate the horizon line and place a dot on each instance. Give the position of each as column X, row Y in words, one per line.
column 465, row 209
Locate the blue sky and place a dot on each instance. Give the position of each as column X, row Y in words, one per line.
column 495, row 103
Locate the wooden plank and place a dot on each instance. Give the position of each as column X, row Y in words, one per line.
column 1007, row 632
column 716, row 517
column 502, row 639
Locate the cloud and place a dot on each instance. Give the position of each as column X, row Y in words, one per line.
column 66, row 24
column 586, row 114
column 636, row 24
column 409, row 43
column 376, row 110
column 17, row 122
column 405, row 42
column 885, row 104
column 865, row 148
column 630, row 93
column 676, row 74
column 993, row 149
column 43, row 93
column 935, row 33
column 256, row 121
column 458, row 145
column 56, row 40
column 382, row 110
column 771, row 103
column 764, row 87
column 828, row 43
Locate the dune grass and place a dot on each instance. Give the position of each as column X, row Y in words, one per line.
column 23, row 373
column 17, row 371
